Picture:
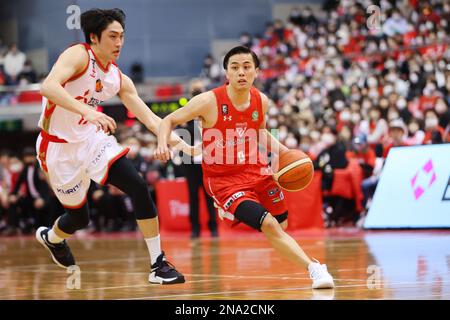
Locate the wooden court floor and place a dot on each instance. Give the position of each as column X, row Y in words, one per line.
column 365, row 265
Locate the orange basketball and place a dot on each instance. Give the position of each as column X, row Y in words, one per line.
column 295, row 170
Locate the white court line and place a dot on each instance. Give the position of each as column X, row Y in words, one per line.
column 250, row 291
column 384, row 287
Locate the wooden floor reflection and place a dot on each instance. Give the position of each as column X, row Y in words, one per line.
column 366, row 265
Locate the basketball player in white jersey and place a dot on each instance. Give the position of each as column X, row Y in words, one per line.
column 75, row 145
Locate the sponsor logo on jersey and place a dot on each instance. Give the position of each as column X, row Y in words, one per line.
column 93, row 73
column 227, row 118
column 278, row 199
column 94, row 102
column 68, row 191
column 255, row 115
column 98, row 85
column 232, row 199
column 101, row 153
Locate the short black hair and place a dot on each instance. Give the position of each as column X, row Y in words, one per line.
column 29, row 151
column 97, row 20
column 239, row 50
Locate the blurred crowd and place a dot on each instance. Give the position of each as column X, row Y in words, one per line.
column 27, row 202
column 15, row 70
column 341, row 90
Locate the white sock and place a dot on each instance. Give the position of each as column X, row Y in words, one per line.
column 53, row 238
column 154, row 248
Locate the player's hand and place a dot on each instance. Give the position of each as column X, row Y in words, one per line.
column 101, row 121
column 163, row 153
column 39, row 203
column 13, row 198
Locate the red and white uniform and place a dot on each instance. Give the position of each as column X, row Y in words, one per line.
column 233, row 168
column 70, row 150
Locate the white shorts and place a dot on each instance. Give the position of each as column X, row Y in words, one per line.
column 71, row 166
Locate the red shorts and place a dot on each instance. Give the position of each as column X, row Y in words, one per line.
column 229, row 191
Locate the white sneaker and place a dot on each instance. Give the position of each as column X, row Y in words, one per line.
column 320, row 276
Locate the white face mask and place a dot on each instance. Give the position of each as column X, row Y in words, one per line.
column 291, row 143
column 431, row 123
column 282, row 134
column 413, row 127
column 330, row 85
column 373, row 93
column 441, row 107
column 392, row 116
column 315, row 135
column 428, row 67
column 15, row 167
column 339, row 105
column 272, row 123
column 355, row 96
column 316, row 97
column 391, row 77
column 305, row 147
column 356, row 117
column 303, row 131
column 134, row 149
column 328, row 139
column 372, row 82
column 345, row 116
column 273, row 111
column 401, row 104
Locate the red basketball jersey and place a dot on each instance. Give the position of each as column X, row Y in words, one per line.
column 231, row 145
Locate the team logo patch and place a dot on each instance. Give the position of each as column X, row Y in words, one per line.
column 271, row 192
column 98, row 85
column 241, row 128
column 255, row 116
column 224, row 109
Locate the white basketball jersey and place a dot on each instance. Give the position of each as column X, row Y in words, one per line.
column 94, row 85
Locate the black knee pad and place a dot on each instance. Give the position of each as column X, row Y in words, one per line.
column 281, row 217
column 124, row 176
column 251, row 213
column 74, row 219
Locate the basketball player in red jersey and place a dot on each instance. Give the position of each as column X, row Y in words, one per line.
column 74, row 146
column 234, row 172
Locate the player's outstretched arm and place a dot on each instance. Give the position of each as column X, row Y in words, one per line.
column 196, row 107
column 130, row 98
column 268, row 141
column 70, row 63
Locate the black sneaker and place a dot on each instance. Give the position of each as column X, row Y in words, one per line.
column 163, row 272
column 60, row 252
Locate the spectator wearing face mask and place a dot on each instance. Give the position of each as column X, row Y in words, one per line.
column 397, row 135
column 443, row 112
column 332, row 157
column 416, row 135
column 433, row 132
column 375, row 128
column 363, row 153
column 30, row 194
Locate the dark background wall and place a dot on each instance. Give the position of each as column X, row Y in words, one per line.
column 169, row 37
